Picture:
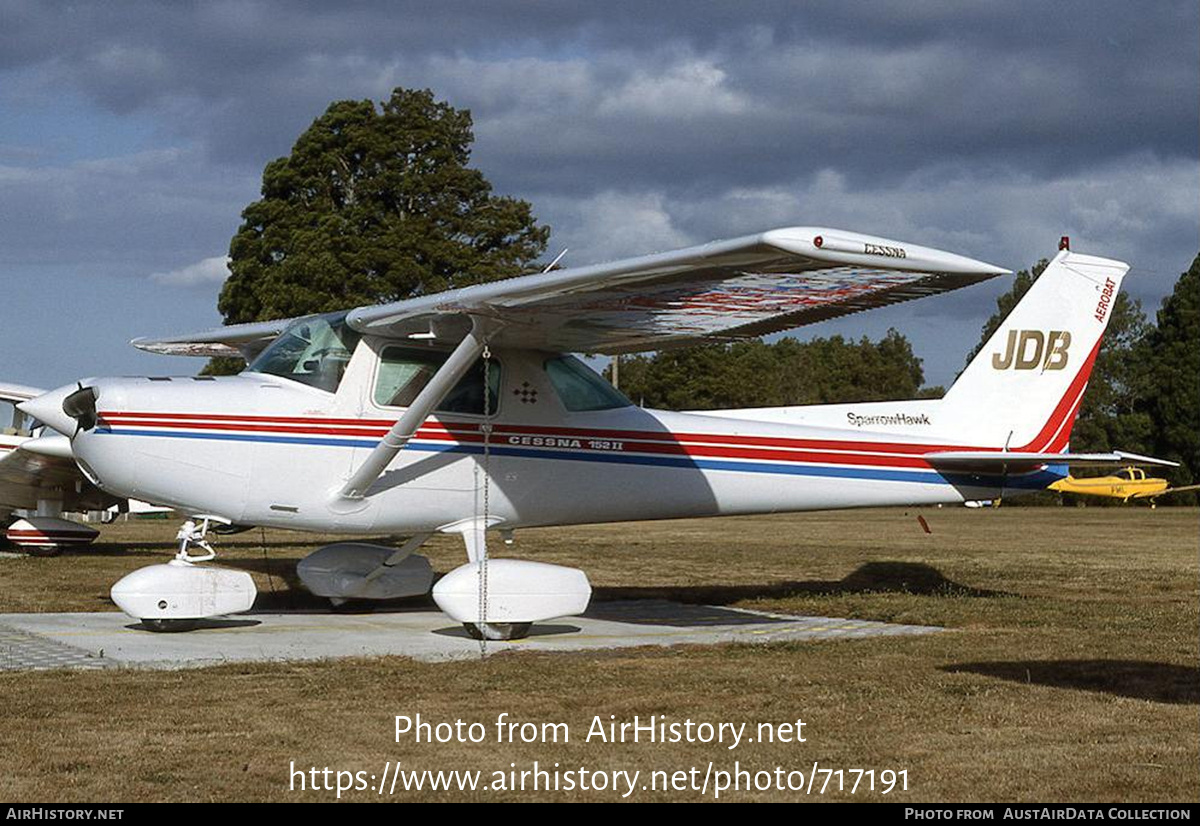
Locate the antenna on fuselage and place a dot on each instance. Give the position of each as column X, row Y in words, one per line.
column 557, row 258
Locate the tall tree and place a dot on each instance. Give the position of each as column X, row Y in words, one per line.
column 1173, row 359
column 788, row 372
column 374, row 204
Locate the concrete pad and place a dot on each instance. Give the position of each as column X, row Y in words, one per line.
column 98, row 640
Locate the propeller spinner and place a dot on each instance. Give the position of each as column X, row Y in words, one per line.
column 81, row 406
column 67, row 409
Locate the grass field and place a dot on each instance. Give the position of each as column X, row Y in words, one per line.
column 1070, row 673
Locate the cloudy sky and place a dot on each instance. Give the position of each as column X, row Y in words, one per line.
column 132, row 135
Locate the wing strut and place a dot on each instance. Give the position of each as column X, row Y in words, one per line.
column 405, row 428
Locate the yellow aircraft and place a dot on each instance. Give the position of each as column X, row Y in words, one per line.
column 1127, row 483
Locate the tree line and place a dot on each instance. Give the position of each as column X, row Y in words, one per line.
column 787, row 372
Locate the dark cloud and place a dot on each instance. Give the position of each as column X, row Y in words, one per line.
column 884, row 86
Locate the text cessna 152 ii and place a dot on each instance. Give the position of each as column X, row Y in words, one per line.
column 462, row 413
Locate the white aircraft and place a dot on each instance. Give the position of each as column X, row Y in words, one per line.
column 39, row 479
column 461, row 413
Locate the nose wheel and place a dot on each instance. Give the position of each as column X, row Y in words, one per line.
column 169, row 626
column 498, row 630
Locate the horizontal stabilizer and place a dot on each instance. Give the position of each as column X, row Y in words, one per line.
column 993, row 461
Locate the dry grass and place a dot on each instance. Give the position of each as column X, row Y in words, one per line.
column 1071, row 675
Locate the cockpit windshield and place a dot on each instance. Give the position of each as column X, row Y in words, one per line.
column 313, row 350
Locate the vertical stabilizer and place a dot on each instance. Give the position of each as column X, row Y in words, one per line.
column 1023, row 390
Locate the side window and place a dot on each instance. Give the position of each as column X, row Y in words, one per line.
column 579, row 388
column 404, row 372
column 15, row 422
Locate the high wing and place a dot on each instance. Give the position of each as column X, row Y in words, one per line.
column 725, row 290
column 235, row 340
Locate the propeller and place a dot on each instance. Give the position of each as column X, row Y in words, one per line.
column 81, row 406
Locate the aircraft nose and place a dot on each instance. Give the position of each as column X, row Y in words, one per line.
column 65, row 409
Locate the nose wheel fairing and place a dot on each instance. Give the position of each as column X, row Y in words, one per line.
column 181, row 591
column 172, row 597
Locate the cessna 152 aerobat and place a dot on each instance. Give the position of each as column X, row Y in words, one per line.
column 38, row 476
column 463, row 413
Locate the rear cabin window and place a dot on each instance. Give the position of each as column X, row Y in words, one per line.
column 579, row 388
column 404, row 372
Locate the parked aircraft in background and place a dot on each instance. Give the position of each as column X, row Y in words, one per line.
column 39, row 481
column 1126, row 484
column 462, row 413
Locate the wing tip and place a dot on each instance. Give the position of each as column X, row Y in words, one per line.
column 848, row 247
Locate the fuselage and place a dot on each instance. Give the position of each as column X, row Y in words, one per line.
column 263, row 450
